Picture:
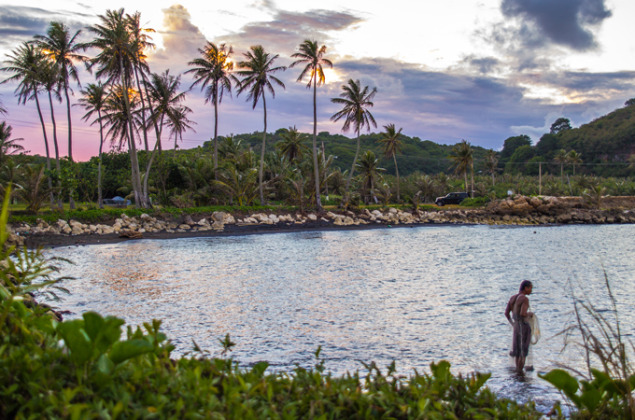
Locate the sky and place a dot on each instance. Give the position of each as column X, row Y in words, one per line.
column 479, row 70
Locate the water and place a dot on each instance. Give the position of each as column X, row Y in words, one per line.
column 413, row 295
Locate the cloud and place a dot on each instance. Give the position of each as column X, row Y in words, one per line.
column 287, row 30
column 181, row 40
column 563, row 22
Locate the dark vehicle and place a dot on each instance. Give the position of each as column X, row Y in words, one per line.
column 451, row 198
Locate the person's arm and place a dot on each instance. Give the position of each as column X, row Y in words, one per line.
column 508, row 309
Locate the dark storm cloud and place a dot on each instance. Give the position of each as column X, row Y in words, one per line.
column 563, row 22
column 288, row 29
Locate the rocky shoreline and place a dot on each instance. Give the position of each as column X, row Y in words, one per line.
column 519, row 210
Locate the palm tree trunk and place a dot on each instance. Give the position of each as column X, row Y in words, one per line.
column 262, row 153
column 216, row 130
column 465, row 175
column 46, row 145
column 316, row 170
column 71, row 202
column 100, row 199
column 397, row 172
column 57, row 154
column 350, row 175
column 472, row 178
column 143, row 110
column 132, row 149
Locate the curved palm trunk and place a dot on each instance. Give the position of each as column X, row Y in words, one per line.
column 262, row 153
column 350, row 176
column 46, row 145
column 318, row 201
column 100, row 199
column 57, row 153
column 143, row 109
column 397, row 172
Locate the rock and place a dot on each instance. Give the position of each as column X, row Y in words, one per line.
column 188, row 220
column 312, row 217
column 184, row 226
column 274, row 219
column 130, row 234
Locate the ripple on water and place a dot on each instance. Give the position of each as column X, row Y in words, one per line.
column 412, row 295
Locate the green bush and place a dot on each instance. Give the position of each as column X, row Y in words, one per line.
column 475, row 202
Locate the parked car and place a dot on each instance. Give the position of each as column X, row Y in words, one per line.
column 451, row 198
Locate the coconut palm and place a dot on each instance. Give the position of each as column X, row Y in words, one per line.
column 118, row 108
column 462, row 157
column 93, row 100
column 392, row 146
column 59, row 46
column 117, row 53
column 179, row 123
column 574, row 158
column 8, row 145
column 256, row 77
column 311, row 55
column 355, row 101
column 369, row 169
column 25, row 63
column 165, row 98
column 561, row 158
column 212, row 71
column 292, row 144
column 49, row 79
column 491, row 163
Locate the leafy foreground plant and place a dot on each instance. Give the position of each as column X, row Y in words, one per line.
column 84, row 368
column 599, row 393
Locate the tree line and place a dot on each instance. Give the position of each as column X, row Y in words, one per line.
column 128, row 103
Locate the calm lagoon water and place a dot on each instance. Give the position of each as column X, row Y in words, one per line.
column 414, row 295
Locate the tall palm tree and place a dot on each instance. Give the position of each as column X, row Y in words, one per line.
column 59, row 46
column 392, row 146
column 311, row 55
column 292, row 144
column 115, row 62
column 355, row 101
column 462, row 156
column 165, row 98
column 25, row 63
column 256, row 76
column 574, row 158
column 93, row 100
column 48, row 78
column 119, row 107
column 491, row 163
column 8, row 145
column 561, row 158
column 212, row 71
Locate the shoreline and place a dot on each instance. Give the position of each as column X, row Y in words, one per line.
column 516, row 211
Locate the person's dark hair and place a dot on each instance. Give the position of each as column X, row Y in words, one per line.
column 524, row 284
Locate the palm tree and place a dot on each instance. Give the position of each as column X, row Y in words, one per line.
column 49, row 80
column 312, row 56
column 356, row 101
column 561, row 158
column 574, row 158
column 26, row 62
column 257, row 77
column 165, row 97
column 463, row 157
column 179, row 123
column 118, row 108
column 8, row 145
column 491, row 163
column 392, row 146
column 115, row 62
column 292, row 144
column 369, row 170
column 60, row 47
column 212, row 71
column 93, row 101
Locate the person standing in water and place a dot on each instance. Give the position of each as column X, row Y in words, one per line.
column 518, row 315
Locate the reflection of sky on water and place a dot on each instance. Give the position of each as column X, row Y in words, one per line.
column 414, row 295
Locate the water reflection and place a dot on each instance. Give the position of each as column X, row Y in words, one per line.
column 413, row 295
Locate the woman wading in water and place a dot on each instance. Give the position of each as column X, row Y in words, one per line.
column 518, row 307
